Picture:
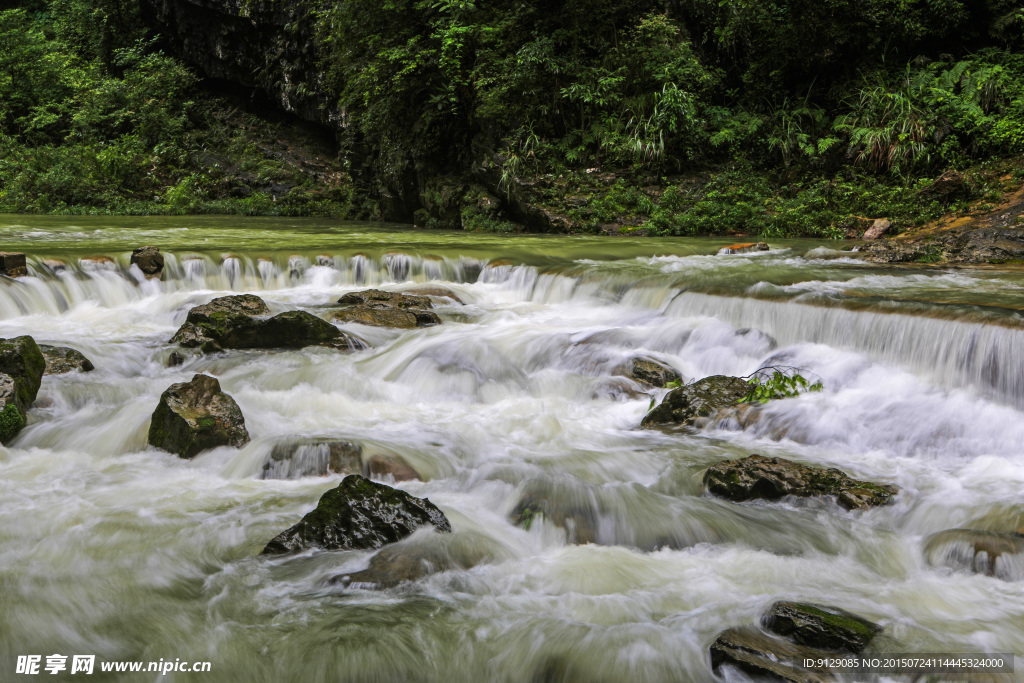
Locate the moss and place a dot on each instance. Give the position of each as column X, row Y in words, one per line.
column 11, row 422
column 839, row 621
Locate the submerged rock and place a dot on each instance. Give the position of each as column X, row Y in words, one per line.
column 149, row 260
column 418, row 557
column 313, row 457
column 386, row 465
column 763, row 655
column 195, row 416
column 698, row 399
column 820, row 626
column 800, row 631
column 651, row 372
column 387, row 309
column 359, row 515
column 12, row 264
column 62, row 359
column 772, row 478
column 993, row 553
column 21, row 372
column 575, row 512
column 433, row 292
column 234, row 322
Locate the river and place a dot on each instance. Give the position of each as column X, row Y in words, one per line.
column 114, row 549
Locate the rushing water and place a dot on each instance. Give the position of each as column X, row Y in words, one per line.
column 111, row 548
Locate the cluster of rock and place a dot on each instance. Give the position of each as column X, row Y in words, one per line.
column 386, row 309
column 792, row 634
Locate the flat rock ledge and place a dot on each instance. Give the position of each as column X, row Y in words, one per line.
column 358, row 515
column 760, row 477
column 378, row 308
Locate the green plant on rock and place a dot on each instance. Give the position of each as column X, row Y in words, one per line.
column 782, row 382
column 11, row 422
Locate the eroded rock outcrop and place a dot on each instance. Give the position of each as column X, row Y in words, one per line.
column 64, row 359
column 195, row 416
column 359, row 515
column 757, row 476
column 699, row 399
column 21, row 372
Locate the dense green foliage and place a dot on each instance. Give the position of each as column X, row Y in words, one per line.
column 682, row 117
column 778, row 383
column 88, row 125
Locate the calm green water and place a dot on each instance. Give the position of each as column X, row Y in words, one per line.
column 111, row 548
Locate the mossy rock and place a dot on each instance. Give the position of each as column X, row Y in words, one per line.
column 757, row 476
column 686, row 405
column 404, row 319
column 23, row 362
column 821, row 626
column 358, row 515
column 195, row 416
column 767, row 657
column 63, row 359
column 650, row 372
column 11, row 422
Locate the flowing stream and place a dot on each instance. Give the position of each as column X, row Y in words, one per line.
column 112, row 548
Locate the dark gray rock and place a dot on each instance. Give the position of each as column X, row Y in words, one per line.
column 195, row 416
column 651, row 372
column 62, row 359
column 386, row 309
column 698, row 399
column 772, row 478
column 359, row 515
column 767, row 657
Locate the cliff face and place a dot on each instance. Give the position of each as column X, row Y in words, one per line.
column 266, row 46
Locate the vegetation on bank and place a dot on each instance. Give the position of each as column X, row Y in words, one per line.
column 688, row 117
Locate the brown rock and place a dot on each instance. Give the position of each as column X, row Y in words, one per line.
column 382, row 466
column 149, row 260
column 763, row 655
column 195, row 416
column 877, row 229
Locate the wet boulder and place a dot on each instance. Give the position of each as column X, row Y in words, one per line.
column 149, row 260
column 378, row 308
column 757, row 476
column 993, row 553
column 700, row 399
column 313, row 457
column 12, row 264
column 820, row 626
column 239, row 322
column 195, row 416
column 21, row 372
column 63, row 359
column 766, row 656
column 417, row 557
column 386, row 465
column 434, row 292
column 359, row 515
column 650, row 372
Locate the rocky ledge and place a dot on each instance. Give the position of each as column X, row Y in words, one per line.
column 772, row 478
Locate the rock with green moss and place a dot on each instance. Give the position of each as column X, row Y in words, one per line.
column 820, row 626
column 686, row 405
column 195, row 416
column 757, row 476
column 63, row 359
column 240, row 322
column 23, row 362
column 359, row 515
column 11, row 419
